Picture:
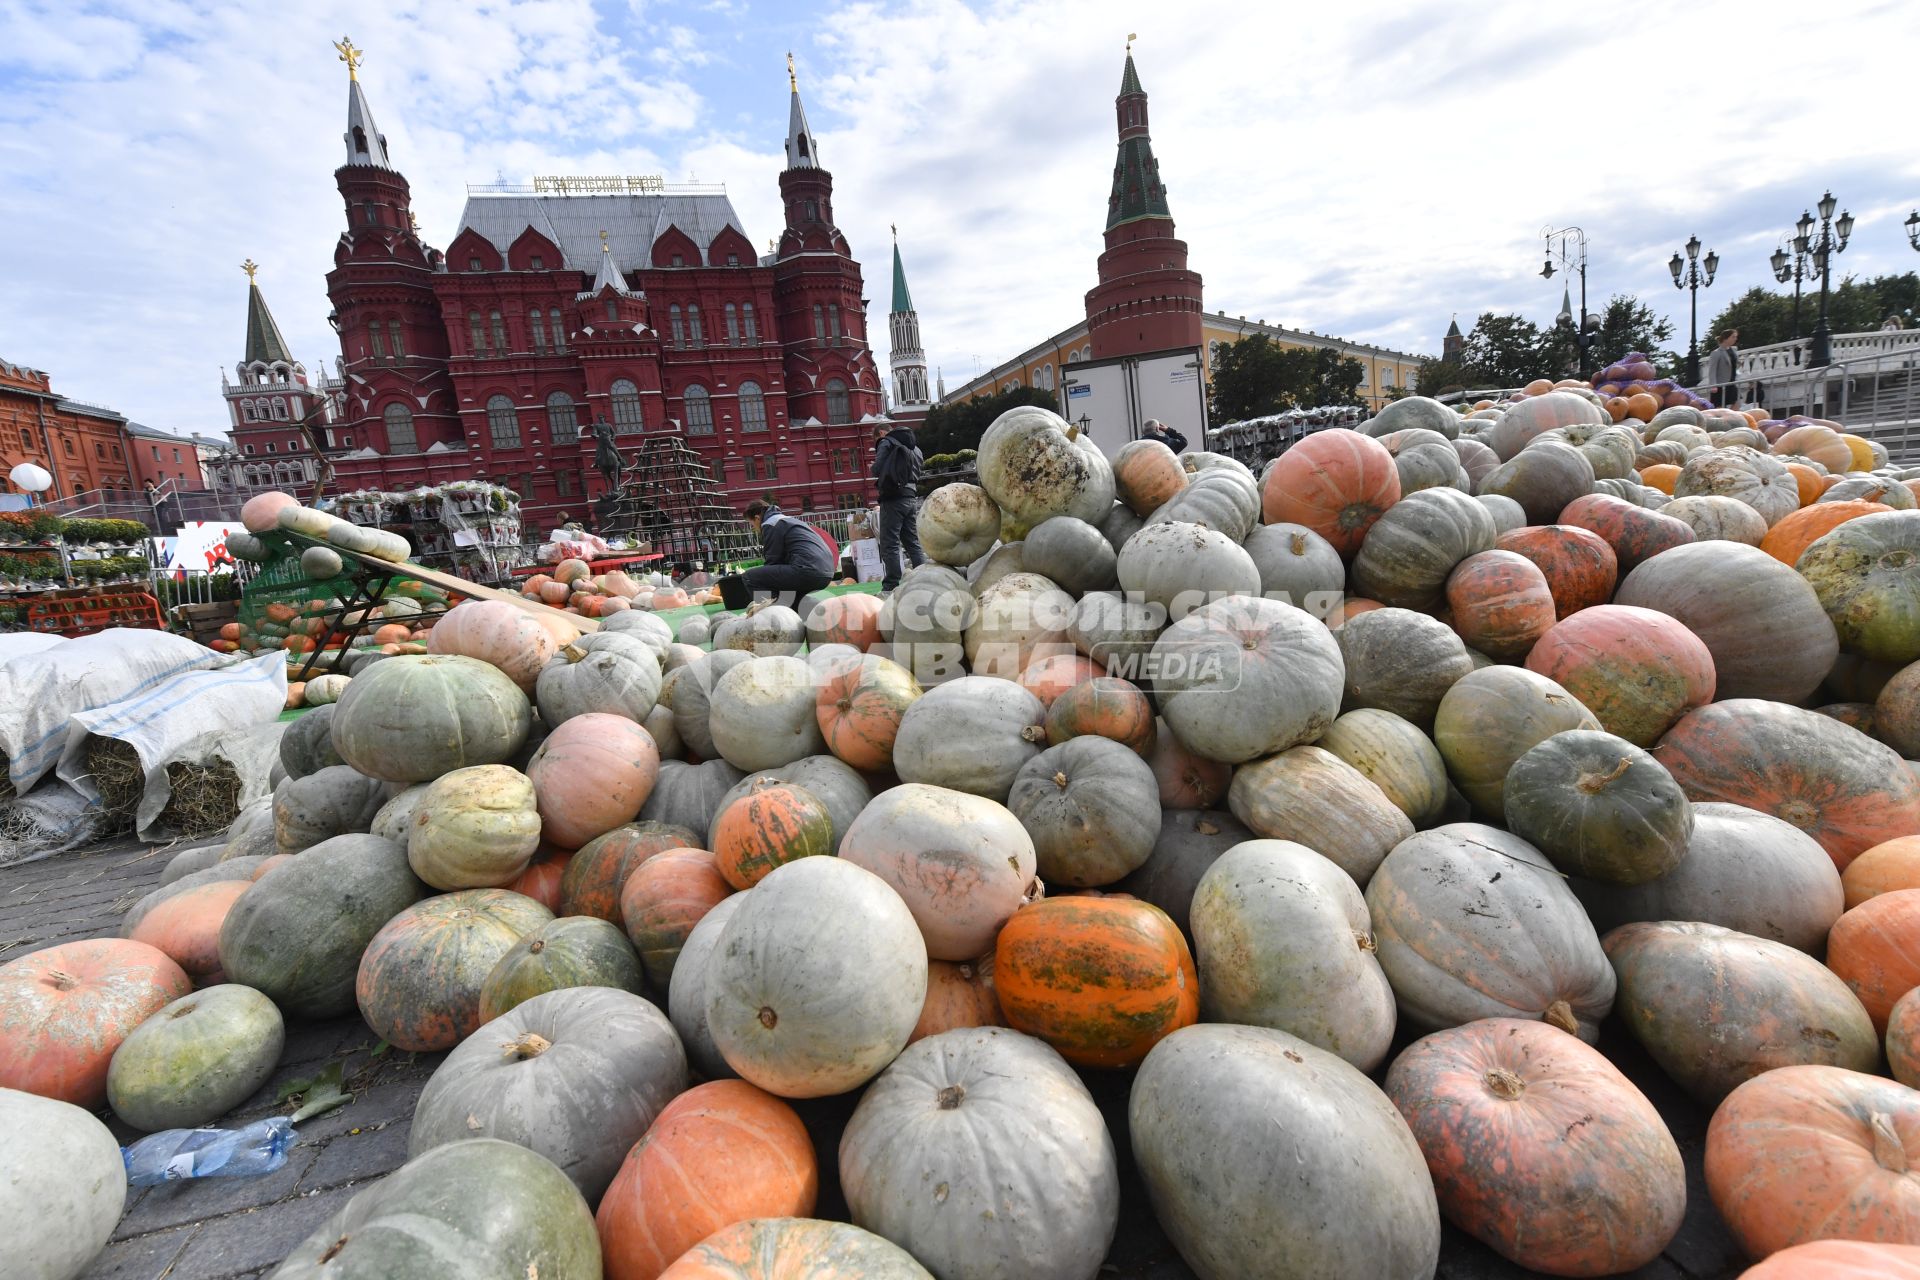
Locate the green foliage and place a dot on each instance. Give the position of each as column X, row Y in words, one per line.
column 949, row 428
column 30, row 567
column 111, row 567
column 1436, row 377
column 1628, row 324
column 1507, row 350
column 1256, row 377
column 78, row 531
column 1503, row 351
column 33, row 525
column 1765, row 316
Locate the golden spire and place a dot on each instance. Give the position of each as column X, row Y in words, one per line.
column 350, row 55
column 249, row 266
column 895, row 228
column 1131, row 37
column 793, row 81
column 604, row 248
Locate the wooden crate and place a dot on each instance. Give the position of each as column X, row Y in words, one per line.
column 202, row 622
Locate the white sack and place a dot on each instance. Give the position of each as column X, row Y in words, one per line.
column 52, row 820
column 21, row 643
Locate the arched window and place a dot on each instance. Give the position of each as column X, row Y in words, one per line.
column 400, row 435
column 393, row 339
column 699, row 411
column 499, row 331
column 819, row 322
column 246, row 411
column 539, row 327
column 693, row 325
column 559, row 330
column 833, row 321
column 753, row 407
column 477, row 331
column 26, row 438
column 279, row 409
column 733, row 325
column 503, row 422
column 626, row 406
column 359, row 140
column 839, row 412
column 376, row 345
column 753, row 326
column 677, row 325
column 562, row 423
column 613, row 312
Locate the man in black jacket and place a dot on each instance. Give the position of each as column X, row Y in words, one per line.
column 796, row 557
column 896, row 465
column 1166, row 435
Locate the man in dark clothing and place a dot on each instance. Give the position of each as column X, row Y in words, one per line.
column 797, row 558
column 896, row 465
column 1166, row 435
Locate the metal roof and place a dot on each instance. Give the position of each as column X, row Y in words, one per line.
column 264, row 341
column 574, row 223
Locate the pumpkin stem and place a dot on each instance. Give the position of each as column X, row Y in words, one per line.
column 61, row 980
column 333, row 1248
column 529, row 1045
column 1888, row 1151
column 573, row 653
column 1298, row 544
column 1594, row 783
column 950, row 1097
column 1206, row 828
column 1560, row 1014
column 1505, row 1085
column 1060, row 780
column 1073, row 432
column 1034, row 733
column 768, row 1018
column 1365, row 940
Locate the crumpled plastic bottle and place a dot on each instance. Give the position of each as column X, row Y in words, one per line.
column 175, row 1154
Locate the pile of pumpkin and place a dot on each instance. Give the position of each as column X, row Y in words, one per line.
column 1362, row 792
column 574, row 587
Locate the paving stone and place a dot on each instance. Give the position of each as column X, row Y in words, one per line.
column 243, row 1243
column 370, row 1109
column 356, row 1157
column 146, row 1257
column 198, row 1199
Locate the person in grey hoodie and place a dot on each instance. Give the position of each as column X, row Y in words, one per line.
column 896, row 466
column 1723, row 367
column 795, row 557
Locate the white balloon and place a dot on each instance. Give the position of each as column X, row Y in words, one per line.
column 32, row 478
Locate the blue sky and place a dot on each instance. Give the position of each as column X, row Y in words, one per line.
column 1366, row 169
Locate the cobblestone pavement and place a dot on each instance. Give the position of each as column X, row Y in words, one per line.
column 234, row 1228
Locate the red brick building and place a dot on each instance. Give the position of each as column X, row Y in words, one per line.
column 162, row 458
column 572, row 301
column 83, row 445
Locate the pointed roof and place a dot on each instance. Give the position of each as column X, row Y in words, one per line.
column 609, row 276
column 802, row 153
column 1453, row 328
column 902, row 300
column 365, row 143
column 1130, row 78
column 264, row 341
column 1137, row 192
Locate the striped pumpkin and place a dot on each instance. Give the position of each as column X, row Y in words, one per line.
column 420, row 978
column 769, row 827
column 665, row 897
column 859, row 709
column 593, row 879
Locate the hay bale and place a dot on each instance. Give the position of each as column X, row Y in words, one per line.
column 206, row 797
column 118, row 777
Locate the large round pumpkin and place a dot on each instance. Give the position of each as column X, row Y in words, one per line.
column 763, row 714
column 859, row 707
column 420, row 979
column 1885, row 868
column 1103, row 707
column 576, row 1074
column 971, row 734
column 1788, row 540
column 495, row 632
column 851, row 618
column 1540, row 1147
column 59, row 1215
column 1282, row 939
column 1181, row 566
column 1187, row 780
column 598, row 873
column 1500, row 603
column 1244, row 677
column 664, row 898
column 1840, row 1260
column 1491, row 718
column 1600, row 807
column 1400, row 661
column 1578, row 563
column 965, row 1110
column 1317, row 799
column 412, row 718
column 958, row 995
column 1714, row 1007
column 1336, row 483
column 1416, row 544
column 608, row 671
column 566, row 952
column 186, row 927
column 721, row 1153
column 1872, row 949
column 1816, row 1152
column 1470, row 922
column 1092, row 808
column 1866, row 574
column 1637, row 670
column 1297, row 566
column 591, row 774
column 196, row 1059
column 768, row 826
column 475, row 828
column 962, row 864
column 1635, row 533
column 1146, row 475
column 1543, row 478
column 1522, row 423
column 1257, row 1149
column 958, row 524
column 297, row 935
column 477, row 1208
column 688, row 693
column 1225, row 498
column 1101, row 979
column 795, row 1249
column 1833, row 782
column 64, row 1010
column 1035, row 464
column 1071, row 553
column 818, row 979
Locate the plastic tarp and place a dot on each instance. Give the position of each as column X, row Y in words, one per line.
column 21, row 643
column 40, row 692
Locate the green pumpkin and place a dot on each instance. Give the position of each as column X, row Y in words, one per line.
column 1866, row 573
column 571, row 951
column 415, row 717
column 1490, row 718
column 476, row 1210
column 298, row 933
column 196, row 1059
column 475, row 828
column 335, row 801
column 1599, row 807
column 307, row 745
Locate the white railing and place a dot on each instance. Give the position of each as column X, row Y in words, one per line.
column 1780, row 357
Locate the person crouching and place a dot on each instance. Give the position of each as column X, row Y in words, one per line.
column 796, row 557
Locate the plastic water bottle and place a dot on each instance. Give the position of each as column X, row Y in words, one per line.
column 174, row 1154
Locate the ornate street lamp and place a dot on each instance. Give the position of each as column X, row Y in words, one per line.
column 1832, row 240
column 1573, row 257
column 1913, row 228
column 1688, row 275
column 1803, row 268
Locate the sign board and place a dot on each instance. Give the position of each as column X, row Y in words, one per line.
column 866, row 559
column 1078, row 391
column 201, row 547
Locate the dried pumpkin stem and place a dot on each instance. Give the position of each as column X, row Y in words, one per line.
column 530, row 1045
column 1888, row 1151
column 1505, row 1085
column 950, row 1097
column 1560, row 1014
column 1594, row 783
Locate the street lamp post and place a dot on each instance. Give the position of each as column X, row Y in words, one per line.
column 1688, row 275
column 1802, row 268
column 1913, row 228
column 1833, row 240
column 1572, row 259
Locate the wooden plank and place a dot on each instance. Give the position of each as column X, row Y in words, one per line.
column 472, row 590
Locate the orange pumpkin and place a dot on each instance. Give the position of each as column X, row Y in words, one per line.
column 541, row 880
column 859, row 707
column 232, row 631
column 1809, row 482
column 1638, row 671
column 1147, row 478
column 299, row 644
column 1661, row 476
column 670, row 598
column 769, row 826
column 598, row 872
column 1101, row 979
column 1806, row 1153
column 1495, row 1105
column 555, row 593
column 1788, row 540
column 392, row 633
column 572, row 571
column 1885, row 868
column 1336, row 483
column 590, row 775
column 664, row 898
column 1051, row 674
column 1840, row 1260
column 296, row 694
column 1501, row 603
column 64, row 1010
column 1635, row 533
column 420, row 977
column 1350, row 607
column 1578, row 564
column 1643, row 405
column 1186, row 780
column 1617, row 408
column 852, row 618
column 720, row 1153
column 1875, row 948
column 619, row 584
column 282, row 613
column 1106, row 707
column 958, row 995
column 793, row 1249
column 186, row 927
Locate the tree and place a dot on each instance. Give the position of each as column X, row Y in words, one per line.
column 1503, row 350
column 1765, row 316
column 949, row 428
column 1629, row 324
column 1435, row 377
column 1762, row 317
column 1257, row 377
